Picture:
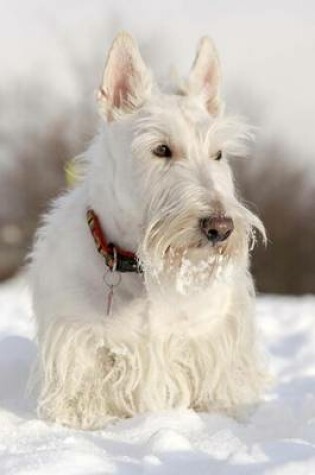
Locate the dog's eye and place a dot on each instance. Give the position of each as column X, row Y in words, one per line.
column 218, row 155
column 162, row 151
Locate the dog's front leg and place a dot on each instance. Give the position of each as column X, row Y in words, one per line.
column 81, row 377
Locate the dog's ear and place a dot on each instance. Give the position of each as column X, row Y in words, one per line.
column 205, row 76
column 126, row 80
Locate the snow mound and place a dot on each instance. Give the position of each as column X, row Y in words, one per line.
column 278, row 439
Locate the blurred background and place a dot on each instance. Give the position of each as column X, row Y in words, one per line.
column 51, row 60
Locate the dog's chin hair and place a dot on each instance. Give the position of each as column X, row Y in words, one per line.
column 187, row 269
column 170, row 241
column 164, row 237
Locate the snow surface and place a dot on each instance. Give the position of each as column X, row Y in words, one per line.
column 279, row 439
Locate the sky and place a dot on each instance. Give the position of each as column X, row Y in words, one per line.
column 266, row 48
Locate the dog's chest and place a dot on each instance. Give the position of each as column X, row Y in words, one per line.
column 166, row 312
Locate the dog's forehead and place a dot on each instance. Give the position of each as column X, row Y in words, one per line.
column 181, row 111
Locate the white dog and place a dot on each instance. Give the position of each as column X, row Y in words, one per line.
column 141, row 288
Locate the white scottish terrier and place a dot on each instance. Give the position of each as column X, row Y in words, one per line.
column 141, row 289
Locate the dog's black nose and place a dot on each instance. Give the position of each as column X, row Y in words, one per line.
column 217, row 228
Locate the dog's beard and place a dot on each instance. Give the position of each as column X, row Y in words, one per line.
column 175, row 252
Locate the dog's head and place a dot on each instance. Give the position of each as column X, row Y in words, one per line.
column 172, row 152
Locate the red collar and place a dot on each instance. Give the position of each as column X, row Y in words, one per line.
column 125, row 261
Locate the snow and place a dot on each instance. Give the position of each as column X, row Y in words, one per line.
column 278, row 439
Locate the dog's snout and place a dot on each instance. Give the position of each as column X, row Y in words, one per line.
column 217, row 228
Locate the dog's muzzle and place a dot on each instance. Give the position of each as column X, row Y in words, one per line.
column 217, row 228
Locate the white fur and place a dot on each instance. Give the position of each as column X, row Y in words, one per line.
column 181, row 334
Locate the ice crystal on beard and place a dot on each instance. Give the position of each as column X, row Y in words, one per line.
column 192, row 277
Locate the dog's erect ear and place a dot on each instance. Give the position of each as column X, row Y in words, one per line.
column 205, row 75
column 126, row 81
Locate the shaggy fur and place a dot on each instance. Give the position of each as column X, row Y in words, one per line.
column 182, row 333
